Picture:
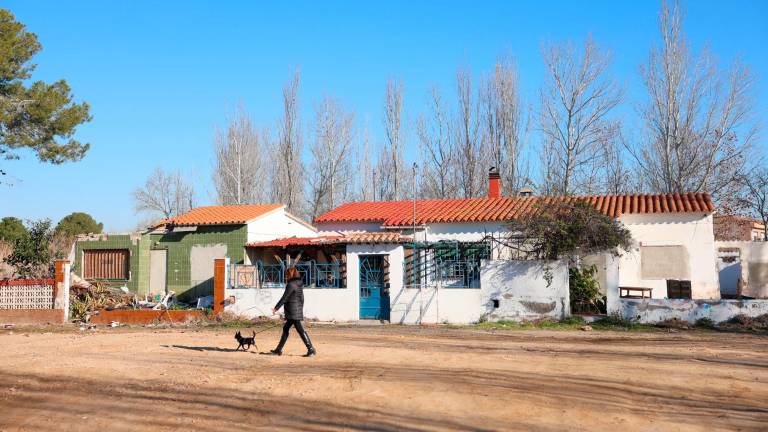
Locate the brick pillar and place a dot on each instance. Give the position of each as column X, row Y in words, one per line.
column 61, row 287
column 219, row 284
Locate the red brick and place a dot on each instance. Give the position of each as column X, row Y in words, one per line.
column 145, row 316
column 31, row 316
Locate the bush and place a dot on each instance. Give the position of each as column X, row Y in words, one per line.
column 32, row 255
column 705, row 323
column 616, row 319
column 562, row 229
column 585, row 291
column 573, row 320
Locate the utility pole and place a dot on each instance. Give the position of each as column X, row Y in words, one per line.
column 415, row 252
column 373, row 185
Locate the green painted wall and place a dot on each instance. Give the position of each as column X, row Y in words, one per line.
column 179, row 266
column 138, row 261
column 179, row 246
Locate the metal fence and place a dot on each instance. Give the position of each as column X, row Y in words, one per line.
column 445, row 274
column 27, row 294
column 260, row 275
column 458, row 274
column 444, row 264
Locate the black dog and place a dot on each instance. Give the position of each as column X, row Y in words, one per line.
column 245, row 342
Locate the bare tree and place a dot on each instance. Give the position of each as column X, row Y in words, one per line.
column 287, row 186
column 615, row 171
column 329, row 179
column 239, row 173
column 164, row 195
column 755, row 196
column 467, row 141
column 698, row 120
column 365, row 184
column 575, row 102
column 438, row 157
column 502, row 117
column 390, row 165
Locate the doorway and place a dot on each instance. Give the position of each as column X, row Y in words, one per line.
column 158, row 265
column 729, row 272
column 374, row 289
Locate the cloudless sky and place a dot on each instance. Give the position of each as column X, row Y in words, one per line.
column 160, row 76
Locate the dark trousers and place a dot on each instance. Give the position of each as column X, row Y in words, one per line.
column 299, row 328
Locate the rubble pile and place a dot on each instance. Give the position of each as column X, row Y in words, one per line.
column 85, row 298
column 744, row 322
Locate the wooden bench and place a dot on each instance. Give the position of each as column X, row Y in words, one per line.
column 632, row 292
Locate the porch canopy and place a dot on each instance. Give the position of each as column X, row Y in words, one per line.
column 321, row 260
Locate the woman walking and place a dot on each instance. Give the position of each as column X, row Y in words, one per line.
column 293, row 300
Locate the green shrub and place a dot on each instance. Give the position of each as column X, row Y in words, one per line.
column 573, row 320
column 585, row 290
column 705, row 323
column 615, row 319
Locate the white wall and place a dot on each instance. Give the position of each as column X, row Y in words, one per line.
column 468, row 232
column 326, row 304
column 751, row 255
column 692, row 231
column 658, row 310
column 277, row 224
column 519, row 286
column 522, row 290
column 434, row 304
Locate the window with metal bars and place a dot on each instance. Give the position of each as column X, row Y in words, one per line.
column 445, row 264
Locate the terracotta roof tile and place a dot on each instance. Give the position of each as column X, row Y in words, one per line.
column 222, row 215
column 356, row 238
column 400, row 213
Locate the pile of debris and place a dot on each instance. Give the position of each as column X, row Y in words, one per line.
column 744, row 322
column 85, row 298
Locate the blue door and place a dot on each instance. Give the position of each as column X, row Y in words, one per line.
column 374, row 292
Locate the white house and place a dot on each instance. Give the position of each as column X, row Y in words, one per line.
column 435, row 260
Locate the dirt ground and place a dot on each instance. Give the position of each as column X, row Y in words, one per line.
column 383, row 378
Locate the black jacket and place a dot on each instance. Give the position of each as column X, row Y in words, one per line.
column 293, row 300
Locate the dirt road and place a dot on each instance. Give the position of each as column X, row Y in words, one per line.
column 384, row 378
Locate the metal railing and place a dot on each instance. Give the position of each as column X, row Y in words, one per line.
column 427, row 271
column 271, row 275
column 458, row 274
column 260, row 275
column 244, row 276
column 328, row 275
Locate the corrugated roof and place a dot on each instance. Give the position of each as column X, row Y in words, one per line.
column 356, row 238
column 222, row 215
column 400, row 213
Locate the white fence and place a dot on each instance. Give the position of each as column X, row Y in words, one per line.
column 27, row 294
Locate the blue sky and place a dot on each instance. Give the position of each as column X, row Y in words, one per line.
column 160, row 76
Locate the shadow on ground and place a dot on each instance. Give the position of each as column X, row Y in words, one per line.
column 131, row 405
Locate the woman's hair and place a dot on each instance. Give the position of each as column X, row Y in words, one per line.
column 292, row 273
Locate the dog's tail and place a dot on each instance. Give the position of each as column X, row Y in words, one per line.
column 254, row 334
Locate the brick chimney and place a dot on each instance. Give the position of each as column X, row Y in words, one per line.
column 494, row 183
